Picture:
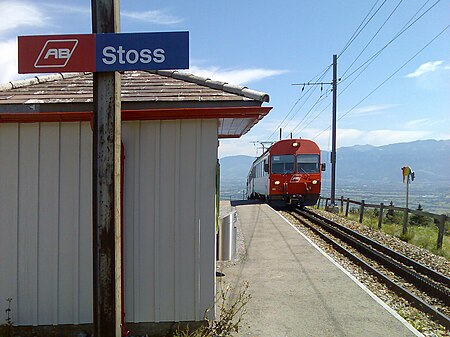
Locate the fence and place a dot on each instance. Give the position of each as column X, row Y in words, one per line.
column 441, row 218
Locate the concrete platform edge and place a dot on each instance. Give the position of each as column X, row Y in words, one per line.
column 354, row 279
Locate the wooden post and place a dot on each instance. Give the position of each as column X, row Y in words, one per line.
column 361, row 211
column 347, row 206
column 441, row 232
column 106, row 124
column 342, row 204
column 405, row 221
column 380, row 216
column 326, row 203
column 318, row 202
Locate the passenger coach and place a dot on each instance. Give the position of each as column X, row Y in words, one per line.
column 288, row 173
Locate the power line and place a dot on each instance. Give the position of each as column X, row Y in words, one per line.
column 318, row 101
column 358, row 30
column 310, row 90
column 405, row 27
column 373, row 37
column 387, row 79
column 316, row 116
column 366, row 64
column 395, row 72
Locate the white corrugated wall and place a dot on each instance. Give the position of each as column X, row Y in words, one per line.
column 46, row 222
column 169, row 249
column 45, row 214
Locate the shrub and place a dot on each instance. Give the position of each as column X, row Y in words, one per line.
column 230, row 311
column 7, row 329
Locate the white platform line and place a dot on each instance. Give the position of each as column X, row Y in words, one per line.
column 354, row 279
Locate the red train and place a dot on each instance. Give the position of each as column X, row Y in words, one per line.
column 287, row 173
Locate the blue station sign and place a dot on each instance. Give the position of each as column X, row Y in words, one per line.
column 142, row 51
column 103, row 52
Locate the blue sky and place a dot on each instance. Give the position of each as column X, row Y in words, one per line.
column 269, row 45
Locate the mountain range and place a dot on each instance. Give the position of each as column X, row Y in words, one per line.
column 429, row 159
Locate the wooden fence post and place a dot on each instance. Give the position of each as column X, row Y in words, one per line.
column 347, row 206
column 380, row 216
column 326, row 203
column 342, row 204
column 318, row 202
column 405, row 221
column 361, row 211
column 441, row 232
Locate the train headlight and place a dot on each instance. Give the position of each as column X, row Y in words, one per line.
column 314, row 182
column 276, row 182
column 295, row 144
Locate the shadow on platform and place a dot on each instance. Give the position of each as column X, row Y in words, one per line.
column 246, row 202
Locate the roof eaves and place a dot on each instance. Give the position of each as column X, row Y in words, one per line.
column 218, row 85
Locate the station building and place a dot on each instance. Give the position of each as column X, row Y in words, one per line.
column 171, row 123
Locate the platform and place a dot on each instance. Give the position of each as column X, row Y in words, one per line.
column 296, row 289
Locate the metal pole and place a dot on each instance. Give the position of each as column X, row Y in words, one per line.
column 106, row 184
column 333, row 133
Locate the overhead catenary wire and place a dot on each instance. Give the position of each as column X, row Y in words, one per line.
column 363, row 24
column 395, row 72
column 305, row 121
column 309, row 91
column 309, row 118
column 373, row 37
column 387, row 79
column 358, row 31
column 402, row 30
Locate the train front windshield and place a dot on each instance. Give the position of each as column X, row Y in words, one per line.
column 283, row 164
column 308, row 163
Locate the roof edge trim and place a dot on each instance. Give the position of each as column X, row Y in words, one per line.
column 37, row 80
column 218, row 85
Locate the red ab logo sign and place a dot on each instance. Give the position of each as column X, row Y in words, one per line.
column 56, row 53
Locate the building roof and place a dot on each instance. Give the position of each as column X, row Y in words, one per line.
column 146, row 95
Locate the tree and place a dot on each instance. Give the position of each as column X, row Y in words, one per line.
column 418, row 219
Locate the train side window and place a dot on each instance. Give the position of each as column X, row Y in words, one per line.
column 283, row 164
column 308, row 163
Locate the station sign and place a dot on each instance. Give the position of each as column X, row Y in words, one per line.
column 103, row 52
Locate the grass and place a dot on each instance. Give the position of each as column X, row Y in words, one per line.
column 422, row 232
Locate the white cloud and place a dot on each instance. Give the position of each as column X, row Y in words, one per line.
column 426, row 68
column 69, row 9
column 418, row 123
column 20, row 13
column 155, row 16
column 235, row 76
column 373, row 109
column 8, row 61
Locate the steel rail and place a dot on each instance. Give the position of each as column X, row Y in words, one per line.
column 354, row 239
column 431, row 273
column 410, row 297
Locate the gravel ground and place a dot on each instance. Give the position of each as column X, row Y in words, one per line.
column 416, row 318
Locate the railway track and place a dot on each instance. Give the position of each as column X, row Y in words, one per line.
column 424, row 279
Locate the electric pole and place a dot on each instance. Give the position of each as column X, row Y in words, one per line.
column 333, row 127
column 333, row 133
